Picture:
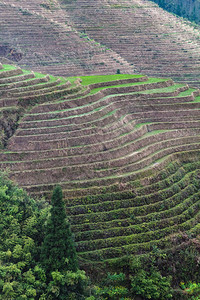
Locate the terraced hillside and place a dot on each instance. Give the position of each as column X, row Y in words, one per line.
column 85, row 37
column 37, row 35
column 124, row 148
column 154, row 41
column 21, row 89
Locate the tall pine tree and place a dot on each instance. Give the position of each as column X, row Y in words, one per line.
column 58, row 250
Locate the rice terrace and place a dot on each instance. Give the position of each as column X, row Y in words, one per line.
column 100, row 117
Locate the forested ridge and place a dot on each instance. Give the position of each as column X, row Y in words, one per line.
column 189, row 9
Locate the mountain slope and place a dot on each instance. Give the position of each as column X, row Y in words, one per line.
column 86, row 37
column 38, row 38
column 124, row 148
column 153, row 40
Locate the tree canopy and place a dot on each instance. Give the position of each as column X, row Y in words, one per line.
column 25, row 273
column 58, row 249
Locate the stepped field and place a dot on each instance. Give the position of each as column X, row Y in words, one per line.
column 38, row 35
column 86, row 37
column 124, row 148
column 152, row 40
column 20, row 89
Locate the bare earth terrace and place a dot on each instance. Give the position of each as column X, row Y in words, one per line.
column 154, row 41
column 99, row 37
column 124, row 148
column 42, row 39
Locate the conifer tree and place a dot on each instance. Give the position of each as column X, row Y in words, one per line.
column 58, row 250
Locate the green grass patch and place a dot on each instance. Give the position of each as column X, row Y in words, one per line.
column 86, row 80
column 39, row 75
column 8, row 68
column 186, row 93
column 197, row 99
column 62, row 79
column 25, row 72
column 168, row 89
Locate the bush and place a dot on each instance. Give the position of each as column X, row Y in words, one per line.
column 192, row 289
column 113, row 287
column 149, row 284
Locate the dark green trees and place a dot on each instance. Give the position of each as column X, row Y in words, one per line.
column 21, row 229
column 58, row 256
column 58, row 250
column 189, row 9
column 37, row 253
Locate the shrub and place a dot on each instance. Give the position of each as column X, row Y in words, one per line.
column 149, row 284
column 192, row 289
column 113, row 287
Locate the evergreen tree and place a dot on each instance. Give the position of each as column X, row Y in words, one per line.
column 58, row 251
column 22, row 230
